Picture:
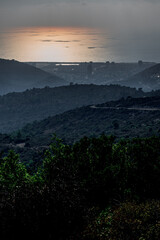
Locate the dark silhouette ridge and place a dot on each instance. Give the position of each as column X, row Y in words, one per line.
column 148, row 80
column 17, row 77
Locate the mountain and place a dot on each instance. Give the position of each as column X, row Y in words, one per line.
column 16, row 77
column 148, row 80
column 17, row 109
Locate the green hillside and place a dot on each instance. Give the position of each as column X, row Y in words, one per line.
column 125, row 118
column 129, row 117
column 18, row 109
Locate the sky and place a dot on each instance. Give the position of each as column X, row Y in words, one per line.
column 134, row 24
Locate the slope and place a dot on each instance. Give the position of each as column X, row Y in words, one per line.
column 125, row 118
column 148, row 80
column 17, row 109
column 16, row 76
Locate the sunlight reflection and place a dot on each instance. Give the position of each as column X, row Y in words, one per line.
column 54, row 44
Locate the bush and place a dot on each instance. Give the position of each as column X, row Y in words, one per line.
column 127, row 222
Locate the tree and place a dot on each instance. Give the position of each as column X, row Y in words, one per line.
column 12, row 172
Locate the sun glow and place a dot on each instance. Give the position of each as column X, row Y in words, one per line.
column 53, row 44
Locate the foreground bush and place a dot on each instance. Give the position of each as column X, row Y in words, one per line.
column 130, row 221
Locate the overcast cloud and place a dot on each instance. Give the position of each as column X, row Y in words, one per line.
column 103, row 13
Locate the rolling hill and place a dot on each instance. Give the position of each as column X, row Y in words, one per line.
column 125, row 118
column 17, row 77
column 18, row 109
column 102, row 73
column 129, row 117
column 148, row 80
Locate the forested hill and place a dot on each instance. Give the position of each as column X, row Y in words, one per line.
column 16, row 77
column 123, row 118
column 17, row 109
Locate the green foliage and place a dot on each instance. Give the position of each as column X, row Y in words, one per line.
column 53, row 156
column 112, row 118
column 67, row 193
column 18, row 109
column 99, row 226
column 61, row 191
column 12, row 172
column 136, row 221
column 123, row 170
column 92, row 158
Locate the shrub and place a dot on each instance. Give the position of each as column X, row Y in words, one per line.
column 130, row 221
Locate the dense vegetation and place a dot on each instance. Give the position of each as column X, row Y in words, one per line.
column 131, row 117
column 17, row 109
column 83, row 188
column 122, row 118
column 94, row 189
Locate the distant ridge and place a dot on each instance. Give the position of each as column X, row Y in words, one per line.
column 148, row 80
column 16, row 77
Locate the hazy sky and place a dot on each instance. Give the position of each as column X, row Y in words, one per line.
column 126, row 14
column 134, row 23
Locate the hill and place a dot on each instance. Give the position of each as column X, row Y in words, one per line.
column 148, row 80
column 125, row 118
column 16, row 77
column 93, row 72
column 17, row 109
